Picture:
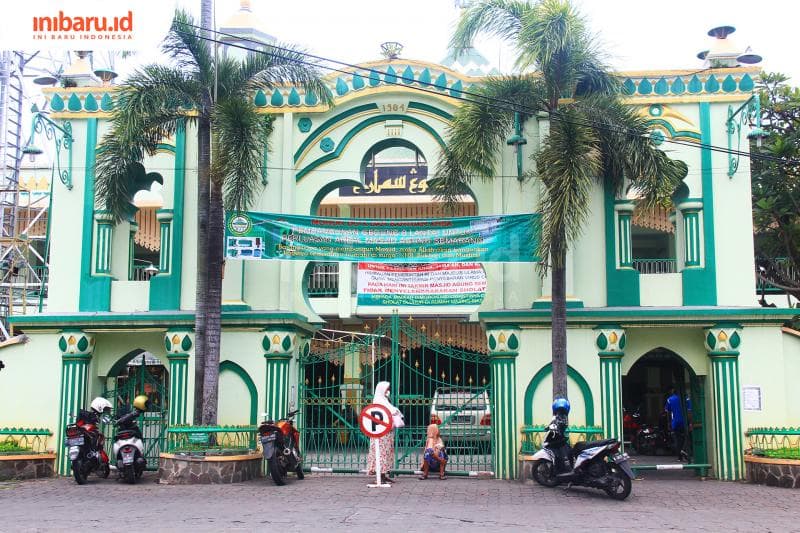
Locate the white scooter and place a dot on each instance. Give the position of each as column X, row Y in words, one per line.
column 128, row 447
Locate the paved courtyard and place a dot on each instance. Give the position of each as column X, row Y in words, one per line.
column 660, row 501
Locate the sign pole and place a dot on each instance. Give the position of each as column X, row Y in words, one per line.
column 375, row 421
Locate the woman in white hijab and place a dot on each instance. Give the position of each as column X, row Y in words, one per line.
column 387, row 441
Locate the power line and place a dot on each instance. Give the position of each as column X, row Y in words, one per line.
column 510, row 105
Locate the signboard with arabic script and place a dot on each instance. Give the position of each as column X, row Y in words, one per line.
column 429, row 284
column 500, row 238
column 391, row 181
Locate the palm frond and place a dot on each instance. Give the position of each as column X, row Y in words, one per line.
column 479, row 129
column 186, row 46
column 149, row 109
column 569, row 161
column 629, row 151
column 499, row 18
column 287, row 65
column 240, row 139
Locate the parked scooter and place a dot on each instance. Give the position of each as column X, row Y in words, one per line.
column 84, row 441
column 280, row 441
column 596, row 464
column 128, row 447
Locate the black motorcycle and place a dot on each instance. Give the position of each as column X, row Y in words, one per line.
column 84, row 442
column 595, row 464
column 650, row 439
column 280, row 441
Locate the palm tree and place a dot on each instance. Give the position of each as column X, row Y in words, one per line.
column 152, row 105
column 593, row 136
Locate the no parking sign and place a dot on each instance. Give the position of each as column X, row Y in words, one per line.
column 375, row 421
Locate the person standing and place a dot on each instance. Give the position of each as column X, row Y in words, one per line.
column 387, row 441
column 677, row 423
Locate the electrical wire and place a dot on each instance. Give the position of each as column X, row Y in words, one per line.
column 491, row 101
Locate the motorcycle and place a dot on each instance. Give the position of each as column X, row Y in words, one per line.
column 649, row 440
column 84, row 441
column 128, row 447
column 631, row 424
column 595, row 464
column 280, row 441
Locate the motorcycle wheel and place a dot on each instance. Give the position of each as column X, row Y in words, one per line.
column 300, row 473
column 276, row 471
column 129, row 475
column 104, row 471
column 78, row 471
column 643, row 447
column 544, row 473
column 620, row 483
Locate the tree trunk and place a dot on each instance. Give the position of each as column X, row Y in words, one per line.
column 201, row 282
column 216, row 236
column 559, row 323
column 203, row 181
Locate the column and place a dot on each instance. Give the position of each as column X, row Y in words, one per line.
column 692, row 245
column 102, row 249
column 279, row 345
column 164, row 217
column 611, row 342
column 722, row 343
column 76, row 353
column 134, row 227
column 504, row 344
column 624, row 210
column 179, row 344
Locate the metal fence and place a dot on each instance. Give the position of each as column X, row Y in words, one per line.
column 656, row 266
column 532, row 436
column 204, row 439
column 783, row 442
column 23, row 440
column 323, row 282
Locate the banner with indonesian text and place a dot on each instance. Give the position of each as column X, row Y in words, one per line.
column 431, row 284
column 500, row 238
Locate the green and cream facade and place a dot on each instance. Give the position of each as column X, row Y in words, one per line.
column 618, row 312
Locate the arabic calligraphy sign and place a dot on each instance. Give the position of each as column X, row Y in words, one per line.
column 428, row 284
column 391, row 181
column 500, row 238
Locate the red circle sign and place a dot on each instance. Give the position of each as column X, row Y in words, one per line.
column 375, row 421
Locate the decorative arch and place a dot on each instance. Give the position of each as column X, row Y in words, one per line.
column 337, row 152
column 123, row 361
column 384, row 144
column 327, row 188
column 636, row 360
column 251, row 386
column 583, row 385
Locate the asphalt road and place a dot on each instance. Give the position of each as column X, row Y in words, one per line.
column 662, row 501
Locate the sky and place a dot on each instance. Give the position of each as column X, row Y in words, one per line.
column 637, row 35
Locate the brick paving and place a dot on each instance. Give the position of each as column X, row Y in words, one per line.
column 661, row 501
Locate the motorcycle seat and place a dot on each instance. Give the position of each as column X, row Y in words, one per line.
column 583, row 445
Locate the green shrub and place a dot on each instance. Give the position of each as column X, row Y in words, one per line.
column 12, row 447
column 783, row 453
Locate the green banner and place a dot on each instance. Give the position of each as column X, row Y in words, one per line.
column 500, row 238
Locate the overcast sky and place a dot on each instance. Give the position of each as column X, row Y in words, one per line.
column 638, row 34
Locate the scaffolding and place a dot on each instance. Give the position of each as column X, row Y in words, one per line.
column 24, row 200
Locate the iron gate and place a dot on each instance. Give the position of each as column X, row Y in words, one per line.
column 428, row 378
column 153, row 423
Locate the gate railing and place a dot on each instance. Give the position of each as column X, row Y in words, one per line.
column 779, row 443
column 211, row 439
column 532, row 436
column 23, row 440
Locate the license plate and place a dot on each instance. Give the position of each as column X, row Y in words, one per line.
column 127, row 458
column 461, row 419
column 75, row 441
column 268, row 438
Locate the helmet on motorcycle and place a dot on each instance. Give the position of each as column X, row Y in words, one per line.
column 140, row 402
column 561, row 406
column 100, row 405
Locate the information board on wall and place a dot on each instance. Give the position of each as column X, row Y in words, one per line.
column 431, row 284
column 501, row 238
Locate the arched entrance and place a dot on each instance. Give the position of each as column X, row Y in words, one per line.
column 238, row 397
column 645, row 389
column 140, row 372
